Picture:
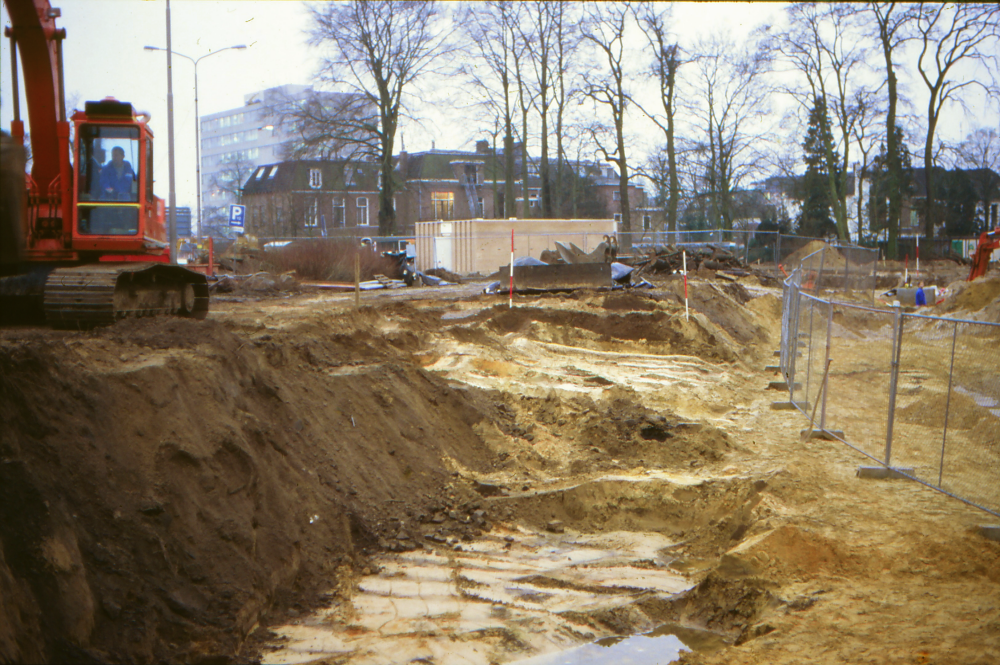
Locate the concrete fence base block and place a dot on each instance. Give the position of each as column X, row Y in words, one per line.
column 884, row 472
column 789, row 406
column 777, row 354
column 782, row 385
column 772, row 368
column 991, row 531
column 826, row 435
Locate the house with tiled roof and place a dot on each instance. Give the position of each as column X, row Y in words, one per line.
column 312, row 198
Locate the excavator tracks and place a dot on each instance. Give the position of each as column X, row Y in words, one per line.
column 97, row 295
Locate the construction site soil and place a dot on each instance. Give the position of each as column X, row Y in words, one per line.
column 434, row 477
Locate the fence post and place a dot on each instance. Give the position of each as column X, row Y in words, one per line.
column 777, row 250
column 897, row 338
column 947, row 403
column 819, row 276
column 847, row 270
column 826, row 388
column 792, row 348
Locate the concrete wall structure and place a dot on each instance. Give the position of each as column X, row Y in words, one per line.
column 483, row 245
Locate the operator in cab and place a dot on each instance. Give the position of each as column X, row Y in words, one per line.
column 117, row 178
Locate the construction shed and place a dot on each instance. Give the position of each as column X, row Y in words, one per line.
column 483, row 245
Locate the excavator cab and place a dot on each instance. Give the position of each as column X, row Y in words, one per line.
column 116, row 210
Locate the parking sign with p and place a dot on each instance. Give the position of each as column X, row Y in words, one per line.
column 237, row 214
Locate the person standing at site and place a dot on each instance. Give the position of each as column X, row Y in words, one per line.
column 117, row 178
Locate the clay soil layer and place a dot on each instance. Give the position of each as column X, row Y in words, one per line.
column 180, row 491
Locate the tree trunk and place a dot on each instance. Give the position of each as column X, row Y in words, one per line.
column 895, row 168
column 675, row 187
column 930, row 208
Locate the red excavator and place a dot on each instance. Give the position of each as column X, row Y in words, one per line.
column 988, row 241
column 85, row 242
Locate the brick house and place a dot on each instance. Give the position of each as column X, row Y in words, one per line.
column 315, row 198
column 312, row 198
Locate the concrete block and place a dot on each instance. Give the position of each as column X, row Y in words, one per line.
column 777, row 354
column 826, row 435
column 782, row 385
column 772, row 368
column 788, row 406
column 884, row 472
column 991, row 531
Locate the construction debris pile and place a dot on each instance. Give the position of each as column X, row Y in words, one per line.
column 670, row 259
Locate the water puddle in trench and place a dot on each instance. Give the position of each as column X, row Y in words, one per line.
column 507, row 597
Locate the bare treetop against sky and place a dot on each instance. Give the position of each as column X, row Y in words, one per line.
column 104, row 56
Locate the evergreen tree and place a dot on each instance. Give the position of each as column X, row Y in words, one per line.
column 956, row 203
column 815, row 218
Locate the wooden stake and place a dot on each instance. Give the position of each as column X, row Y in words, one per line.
column 357, row 280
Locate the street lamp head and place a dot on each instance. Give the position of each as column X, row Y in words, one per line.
column 152, row 48
column 240, row 46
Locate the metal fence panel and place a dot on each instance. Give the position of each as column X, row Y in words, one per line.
column 947, row 424
column 915, row 392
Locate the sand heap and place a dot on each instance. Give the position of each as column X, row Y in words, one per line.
column 831, row 259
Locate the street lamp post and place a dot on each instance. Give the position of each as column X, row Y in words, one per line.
column 197, row 118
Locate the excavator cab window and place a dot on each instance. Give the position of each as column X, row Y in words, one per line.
column 108, row 196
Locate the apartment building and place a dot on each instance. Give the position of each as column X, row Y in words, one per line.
column 236, row 141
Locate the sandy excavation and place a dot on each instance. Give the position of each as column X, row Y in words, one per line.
column 436, row 478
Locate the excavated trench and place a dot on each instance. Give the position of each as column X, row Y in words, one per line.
column 441, row 482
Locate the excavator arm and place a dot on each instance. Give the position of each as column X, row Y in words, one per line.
column 37, row 42
column 988, row 242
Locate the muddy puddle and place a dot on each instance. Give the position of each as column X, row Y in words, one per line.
column 513, row 593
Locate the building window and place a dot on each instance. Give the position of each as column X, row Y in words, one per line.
column 362, row 211
column 443, row 204
column 471, row 174
column 315, row 178
column 312, row 214
column 618, row 217
column 274, row 172
column 480, row 208
column 260, row 173
column 647, row 222
column 616, row 195
column 339, row 212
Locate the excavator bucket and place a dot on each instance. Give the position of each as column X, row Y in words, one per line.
column 558, row 277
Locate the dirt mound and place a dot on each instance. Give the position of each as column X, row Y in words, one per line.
column 724, row 306
column 831, row 259
column 787, row 553
column 962, row 410
column 972, row 296
column 164, row 483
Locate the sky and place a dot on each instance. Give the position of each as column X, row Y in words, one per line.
column 104, row 56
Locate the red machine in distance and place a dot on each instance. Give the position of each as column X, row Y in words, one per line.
column 92, row 240
column 988, row 241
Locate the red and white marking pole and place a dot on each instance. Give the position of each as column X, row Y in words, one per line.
column 684, row 258
column 511, row 303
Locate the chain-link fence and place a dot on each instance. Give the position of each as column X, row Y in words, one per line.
column 917, row 393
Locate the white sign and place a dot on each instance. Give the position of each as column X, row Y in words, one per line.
column 236, row 216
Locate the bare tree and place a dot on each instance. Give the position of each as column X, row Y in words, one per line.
column 378, row 50
column 566, row 44
column 326, row 125
column 604, row 27
column 980, row 154
column 893, row 21
column 519, row 55
column 542, row 47
column 667, row 60
column 822, row 45
column 491, row 31
column 734, row 90
column 867, row 138
column 951, row 34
